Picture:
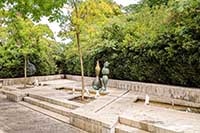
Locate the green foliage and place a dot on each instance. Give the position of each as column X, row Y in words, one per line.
column 24, row 38
column 34, row 8
column 153, row 3
column 156, row 43
column 153, row 41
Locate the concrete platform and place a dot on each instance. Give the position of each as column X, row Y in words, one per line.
column 113, row 112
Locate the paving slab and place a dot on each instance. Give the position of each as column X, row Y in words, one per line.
column 138, row 115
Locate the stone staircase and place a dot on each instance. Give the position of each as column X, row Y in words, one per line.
column 66, row 103
column 54, row 108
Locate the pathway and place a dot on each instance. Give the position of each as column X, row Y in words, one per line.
column 15, row 118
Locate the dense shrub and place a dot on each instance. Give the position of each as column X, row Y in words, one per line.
column 159, row 44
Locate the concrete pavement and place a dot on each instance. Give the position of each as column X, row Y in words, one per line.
column 15, row 118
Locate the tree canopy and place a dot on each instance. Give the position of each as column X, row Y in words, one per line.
column 24, row 38
column 34, row 9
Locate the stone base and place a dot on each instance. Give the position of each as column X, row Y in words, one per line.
column 14, row 96
column 92, row 123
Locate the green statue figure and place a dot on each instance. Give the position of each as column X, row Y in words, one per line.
column 101, row 84
column 105, row 73
column 96, row 84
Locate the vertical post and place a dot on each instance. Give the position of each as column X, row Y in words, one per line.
column 1, row 83
column 25, row 70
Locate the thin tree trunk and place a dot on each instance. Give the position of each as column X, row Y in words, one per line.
column 81, row 62
column 79, row 50
column 25, row 70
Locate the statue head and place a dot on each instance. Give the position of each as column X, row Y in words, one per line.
column 106, row 64
column 97, row 62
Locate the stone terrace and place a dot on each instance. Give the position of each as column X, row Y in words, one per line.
column 115, row 111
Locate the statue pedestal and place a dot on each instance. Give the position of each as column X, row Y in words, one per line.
column 101, row 92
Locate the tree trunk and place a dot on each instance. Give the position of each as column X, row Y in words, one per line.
column 79, row 50
column 25, row 71
column 81, row 62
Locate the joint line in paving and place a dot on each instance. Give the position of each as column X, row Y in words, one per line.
column 115, row 99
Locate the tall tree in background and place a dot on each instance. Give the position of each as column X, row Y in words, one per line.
column 26, row 36
column 28, row 9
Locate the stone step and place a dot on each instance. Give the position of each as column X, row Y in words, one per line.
column 120, row 128
column 46, row 112
column 13, row 95
column 49, row 106
column 146, row 125
column 66, row 103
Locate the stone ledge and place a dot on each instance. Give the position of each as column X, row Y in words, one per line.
column 168, row 100
column 147, row 126
column 91, row 124
column 67, row 104
column 49, row 106
column 13, row 81
column 14, row 95
column 120, row 128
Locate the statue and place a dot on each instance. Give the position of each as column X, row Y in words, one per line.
column 96, row 84
column 105, row 73
column 31, row 69
column 101, row 84
column 97, row 69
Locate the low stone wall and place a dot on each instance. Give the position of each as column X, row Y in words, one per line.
column 15, row 81
column 164, row 91
column 88, row 80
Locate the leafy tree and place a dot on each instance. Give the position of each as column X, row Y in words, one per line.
column 86, row 17
column 25, row 38
column 34, row 9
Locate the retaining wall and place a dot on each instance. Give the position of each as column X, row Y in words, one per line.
column 12, row 81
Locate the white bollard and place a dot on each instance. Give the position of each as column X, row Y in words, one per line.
column 36, row 83
column 146, row 100
column 73, row 91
